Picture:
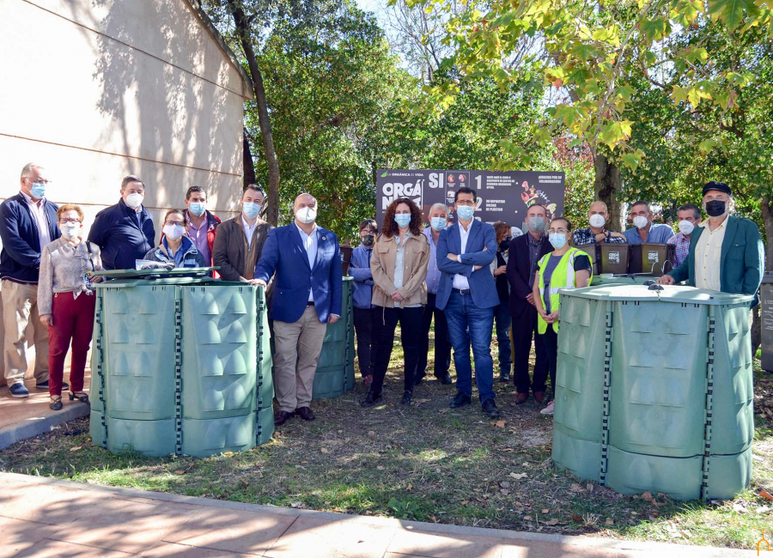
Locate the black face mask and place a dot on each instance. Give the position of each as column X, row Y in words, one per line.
column 367, row 240
column 715, row 208
column 505, row 244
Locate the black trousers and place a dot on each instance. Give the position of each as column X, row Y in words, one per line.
column 410, row 325
column 524, row 330
column 550, row 341
column 364, row 324
column 442, row 341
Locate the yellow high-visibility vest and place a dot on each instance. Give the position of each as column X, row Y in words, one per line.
column 562, row 278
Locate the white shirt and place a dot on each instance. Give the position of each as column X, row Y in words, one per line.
column 38, row 210
column 708, row 253
column 460, row 281
column 248, row 230
column 309, row 242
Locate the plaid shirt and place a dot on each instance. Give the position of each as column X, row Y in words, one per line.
column 682, row 248
column 581, row 237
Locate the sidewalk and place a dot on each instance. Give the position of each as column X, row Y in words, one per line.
column 52, row 518
column 25, row 418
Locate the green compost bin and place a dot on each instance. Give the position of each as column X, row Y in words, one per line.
column 630, row 279
column 335, row 370
column 180, row 366
column 654, row 390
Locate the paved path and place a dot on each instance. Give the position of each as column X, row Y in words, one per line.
column 52, row 518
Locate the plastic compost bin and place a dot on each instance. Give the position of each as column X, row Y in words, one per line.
column 654, row 390
column 180, row 365
column 335, row 370
column 624, row 279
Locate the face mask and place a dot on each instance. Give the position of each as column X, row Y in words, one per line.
column 505, row 244
column 173, row 232
column 38, row 190
column 715, row 208
column 640, row 221
column 465, row 212
column 134, row 200
column 536, row 224
column 368, row 239
column 198, row 208
column 438, row 223
column 403, row 220
column 70, row 230
column 306, row 215
column 250, row 209
column 558, row 240
column 685, row 227
column 597, row 221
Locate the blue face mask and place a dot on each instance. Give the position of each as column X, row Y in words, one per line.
column 250, row 209
column 536, row 224
column 438, row 223
column 465, row 212
column 558, row 240
column 198, row 208
column 403, row 219
column 38, row 190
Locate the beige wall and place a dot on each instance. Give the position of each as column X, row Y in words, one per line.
column 97, row 89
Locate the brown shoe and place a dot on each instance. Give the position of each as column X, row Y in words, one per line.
column 539, row 396
column 282, row 417
column 305, row 413
column 521, row 398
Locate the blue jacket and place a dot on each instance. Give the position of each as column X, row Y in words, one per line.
column 285, row 254
column 741, row 263
column 20, row 258
column 120, row 237
column 187, row 256
column 363, row 278
column 482, row 287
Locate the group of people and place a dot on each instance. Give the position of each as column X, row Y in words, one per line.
column 469, row 277
column 47, row 268
column 473, row 278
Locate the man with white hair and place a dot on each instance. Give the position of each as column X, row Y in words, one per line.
column 27, row 223
column 598, row 217
column 307, row 293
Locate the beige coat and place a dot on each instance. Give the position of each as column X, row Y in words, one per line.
column 415, row 261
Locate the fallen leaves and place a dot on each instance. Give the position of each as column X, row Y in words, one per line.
column 499, row 423
column 76, row 448
column 519, row 476
column 764, row 494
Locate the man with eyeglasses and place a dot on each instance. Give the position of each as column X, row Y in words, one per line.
column 27, row 223
column 726, row 252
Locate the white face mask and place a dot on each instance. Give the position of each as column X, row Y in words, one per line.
column 134, row 200
column 70, row 230
column 685, row 227
column 597, row 221
column 306, row 215
column 640, row 221
column 173, row 232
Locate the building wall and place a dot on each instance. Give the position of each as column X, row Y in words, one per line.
column 94, row 90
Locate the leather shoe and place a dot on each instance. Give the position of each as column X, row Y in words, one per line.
column 539, row 396
column 371, row 399
column 282, row 417
column 407, row 397
column 445, row 379
column 490, row 409
column 460, row 400
column 521, row 398
column 305, row 413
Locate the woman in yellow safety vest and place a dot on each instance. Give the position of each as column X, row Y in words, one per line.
column 563, row 268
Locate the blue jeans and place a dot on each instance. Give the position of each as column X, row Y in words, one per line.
column 468, row 323
column 503, row 320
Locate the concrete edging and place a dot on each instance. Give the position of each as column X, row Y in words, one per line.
column 34, row 427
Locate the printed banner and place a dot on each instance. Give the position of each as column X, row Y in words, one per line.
column 502, row 196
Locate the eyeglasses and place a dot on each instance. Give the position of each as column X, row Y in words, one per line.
column 558, row 231
column 178, row 223
column 465, row 202
column 69, row 221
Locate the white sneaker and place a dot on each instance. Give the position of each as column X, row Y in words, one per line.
column 549, row 409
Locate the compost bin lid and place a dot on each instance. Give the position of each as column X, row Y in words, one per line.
column 669, row 293
column 157, row 276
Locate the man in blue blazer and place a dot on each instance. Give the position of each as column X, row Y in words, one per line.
column 27, row 223
column 467, row 294
column 306, row 297
column 726, row 252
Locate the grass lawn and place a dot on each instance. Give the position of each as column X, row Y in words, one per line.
column 425, row 462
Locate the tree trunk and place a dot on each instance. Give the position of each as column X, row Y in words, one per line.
column 756, row 329
column 242, row 28
column 606, row 186
column 766, row 203
column 249, row 166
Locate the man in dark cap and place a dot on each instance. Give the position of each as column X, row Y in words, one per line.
column 726, row 252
